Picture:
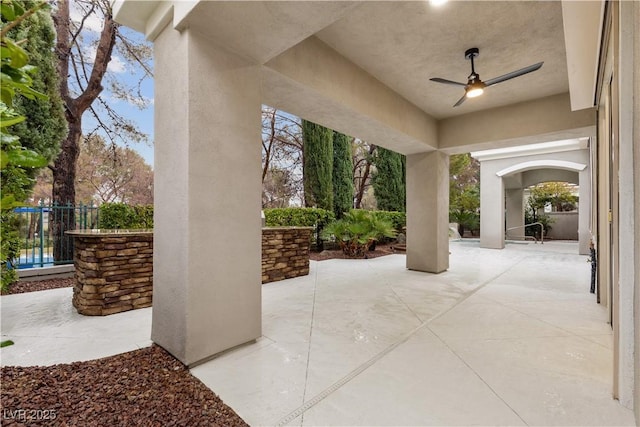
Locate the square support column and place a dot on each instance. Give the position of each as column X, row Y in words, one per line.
column 428, row 212
column 515, row 211
column 207, row 254
column 491, row 209
column 584, row 212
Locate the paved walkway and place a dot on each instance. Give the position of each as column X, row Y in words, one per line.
column 509, row 337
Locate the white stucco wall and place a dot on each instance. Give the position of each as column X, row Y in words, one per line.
column 629, row 244
column 564, row 226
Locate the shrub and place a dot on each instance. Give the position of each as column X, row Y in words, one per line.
column 144, row 216
column 397, row 219
column 10, row 249
column 123, row 216
column 358, row 230
column 544, row 219
column 466, row 220
column 297, row 217
column 300, row 217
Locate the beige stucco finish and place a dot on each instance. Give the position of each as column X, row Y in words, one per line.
column 207, row 240
column 541, row 120
column 629, row 206
column 428, row 212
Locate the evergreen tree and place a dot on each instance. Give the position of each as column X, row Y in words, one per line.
column 45, row 125
column 464, row 192
column 389, row 180
column 17, row 161
column 317, row 168
column 342, row 175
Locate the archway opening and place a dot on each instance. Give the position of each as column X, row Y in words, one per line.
column 554, row 205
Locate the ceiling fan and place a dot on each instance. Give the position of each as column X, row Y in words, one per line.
column 474, row 86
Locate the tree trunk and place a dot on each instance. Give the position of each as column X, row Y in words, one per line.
column 32, row 226
column 365, row 175
column 268, row 147
column 64, row 193
column 64, row 169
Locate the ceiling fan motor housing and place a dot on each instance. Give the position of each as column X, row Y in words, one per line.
column 474, row 52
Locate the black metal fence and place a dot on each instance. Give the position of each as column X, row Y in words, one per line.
column 38, row 239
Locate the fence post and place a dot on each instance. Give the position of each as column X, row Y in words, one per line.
column 41, row 232
column 31, row 245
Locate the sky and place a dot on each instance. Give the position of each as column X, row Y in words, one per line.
column 128, row 74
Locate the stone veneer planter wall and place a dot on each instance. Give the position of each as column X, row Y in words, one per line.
column 114, row 270
column 285, row 252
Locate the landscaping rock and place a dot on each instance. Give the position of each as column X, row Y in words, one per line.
column 146, row 387
column 39, row 285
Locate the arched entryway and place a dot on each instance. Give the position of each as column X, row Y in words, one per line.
column 506, row 173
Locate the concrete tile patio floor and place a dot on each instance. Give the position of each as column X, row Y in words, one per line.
column 509, row 337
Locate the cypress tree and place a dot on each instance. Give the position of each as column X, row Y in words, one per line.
column 45, row 125
column 389, row 181
column 342, row 175
column 317, row 168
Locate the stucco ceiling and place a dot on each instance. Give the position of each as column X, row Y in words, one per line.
column 363, row 67
column 403, row 44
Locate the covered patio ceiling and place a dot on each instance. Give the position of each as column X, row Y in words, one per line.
column 364, row 67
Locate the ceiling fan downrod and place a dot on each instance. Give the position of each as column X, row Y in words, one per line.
column 470, row 54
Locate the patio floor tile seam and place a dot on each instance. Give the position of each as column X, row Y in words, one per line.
column 568, row 331
column 587, row 336
column 404, row 303
column 364, row 366
column 344, row 380
column 477, row 374
column 306, row 373
column 474, row 291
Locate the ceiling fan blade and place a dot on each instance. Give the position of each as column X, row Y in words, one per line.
column 447, row 82
column 514, row 74
column 460, row 101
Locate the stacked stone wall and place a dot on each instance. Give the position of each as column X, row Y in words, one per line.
column 114, row 273
column 285, row 252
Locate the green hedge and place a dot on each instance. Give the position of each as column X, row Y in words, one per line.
column 123, row 216
column 398, row 219
column 297, row 217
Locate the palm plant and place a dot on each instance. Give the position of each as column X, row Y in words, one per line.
column 357, row 231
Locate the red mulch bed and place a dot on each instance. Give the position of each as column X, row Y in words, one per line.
column 381, row 250
column 39, row 285
column 146, row 387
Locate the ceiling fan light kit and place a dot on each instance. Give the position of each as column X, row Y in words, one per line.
column 475, row 89
column 475, row 86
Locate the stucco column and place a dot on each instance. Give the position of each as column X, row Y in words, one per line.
column 515, row 211
column 491, row 209
column 428, row 212
column 584, row 211
column 629, row 207
column 207, row 291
